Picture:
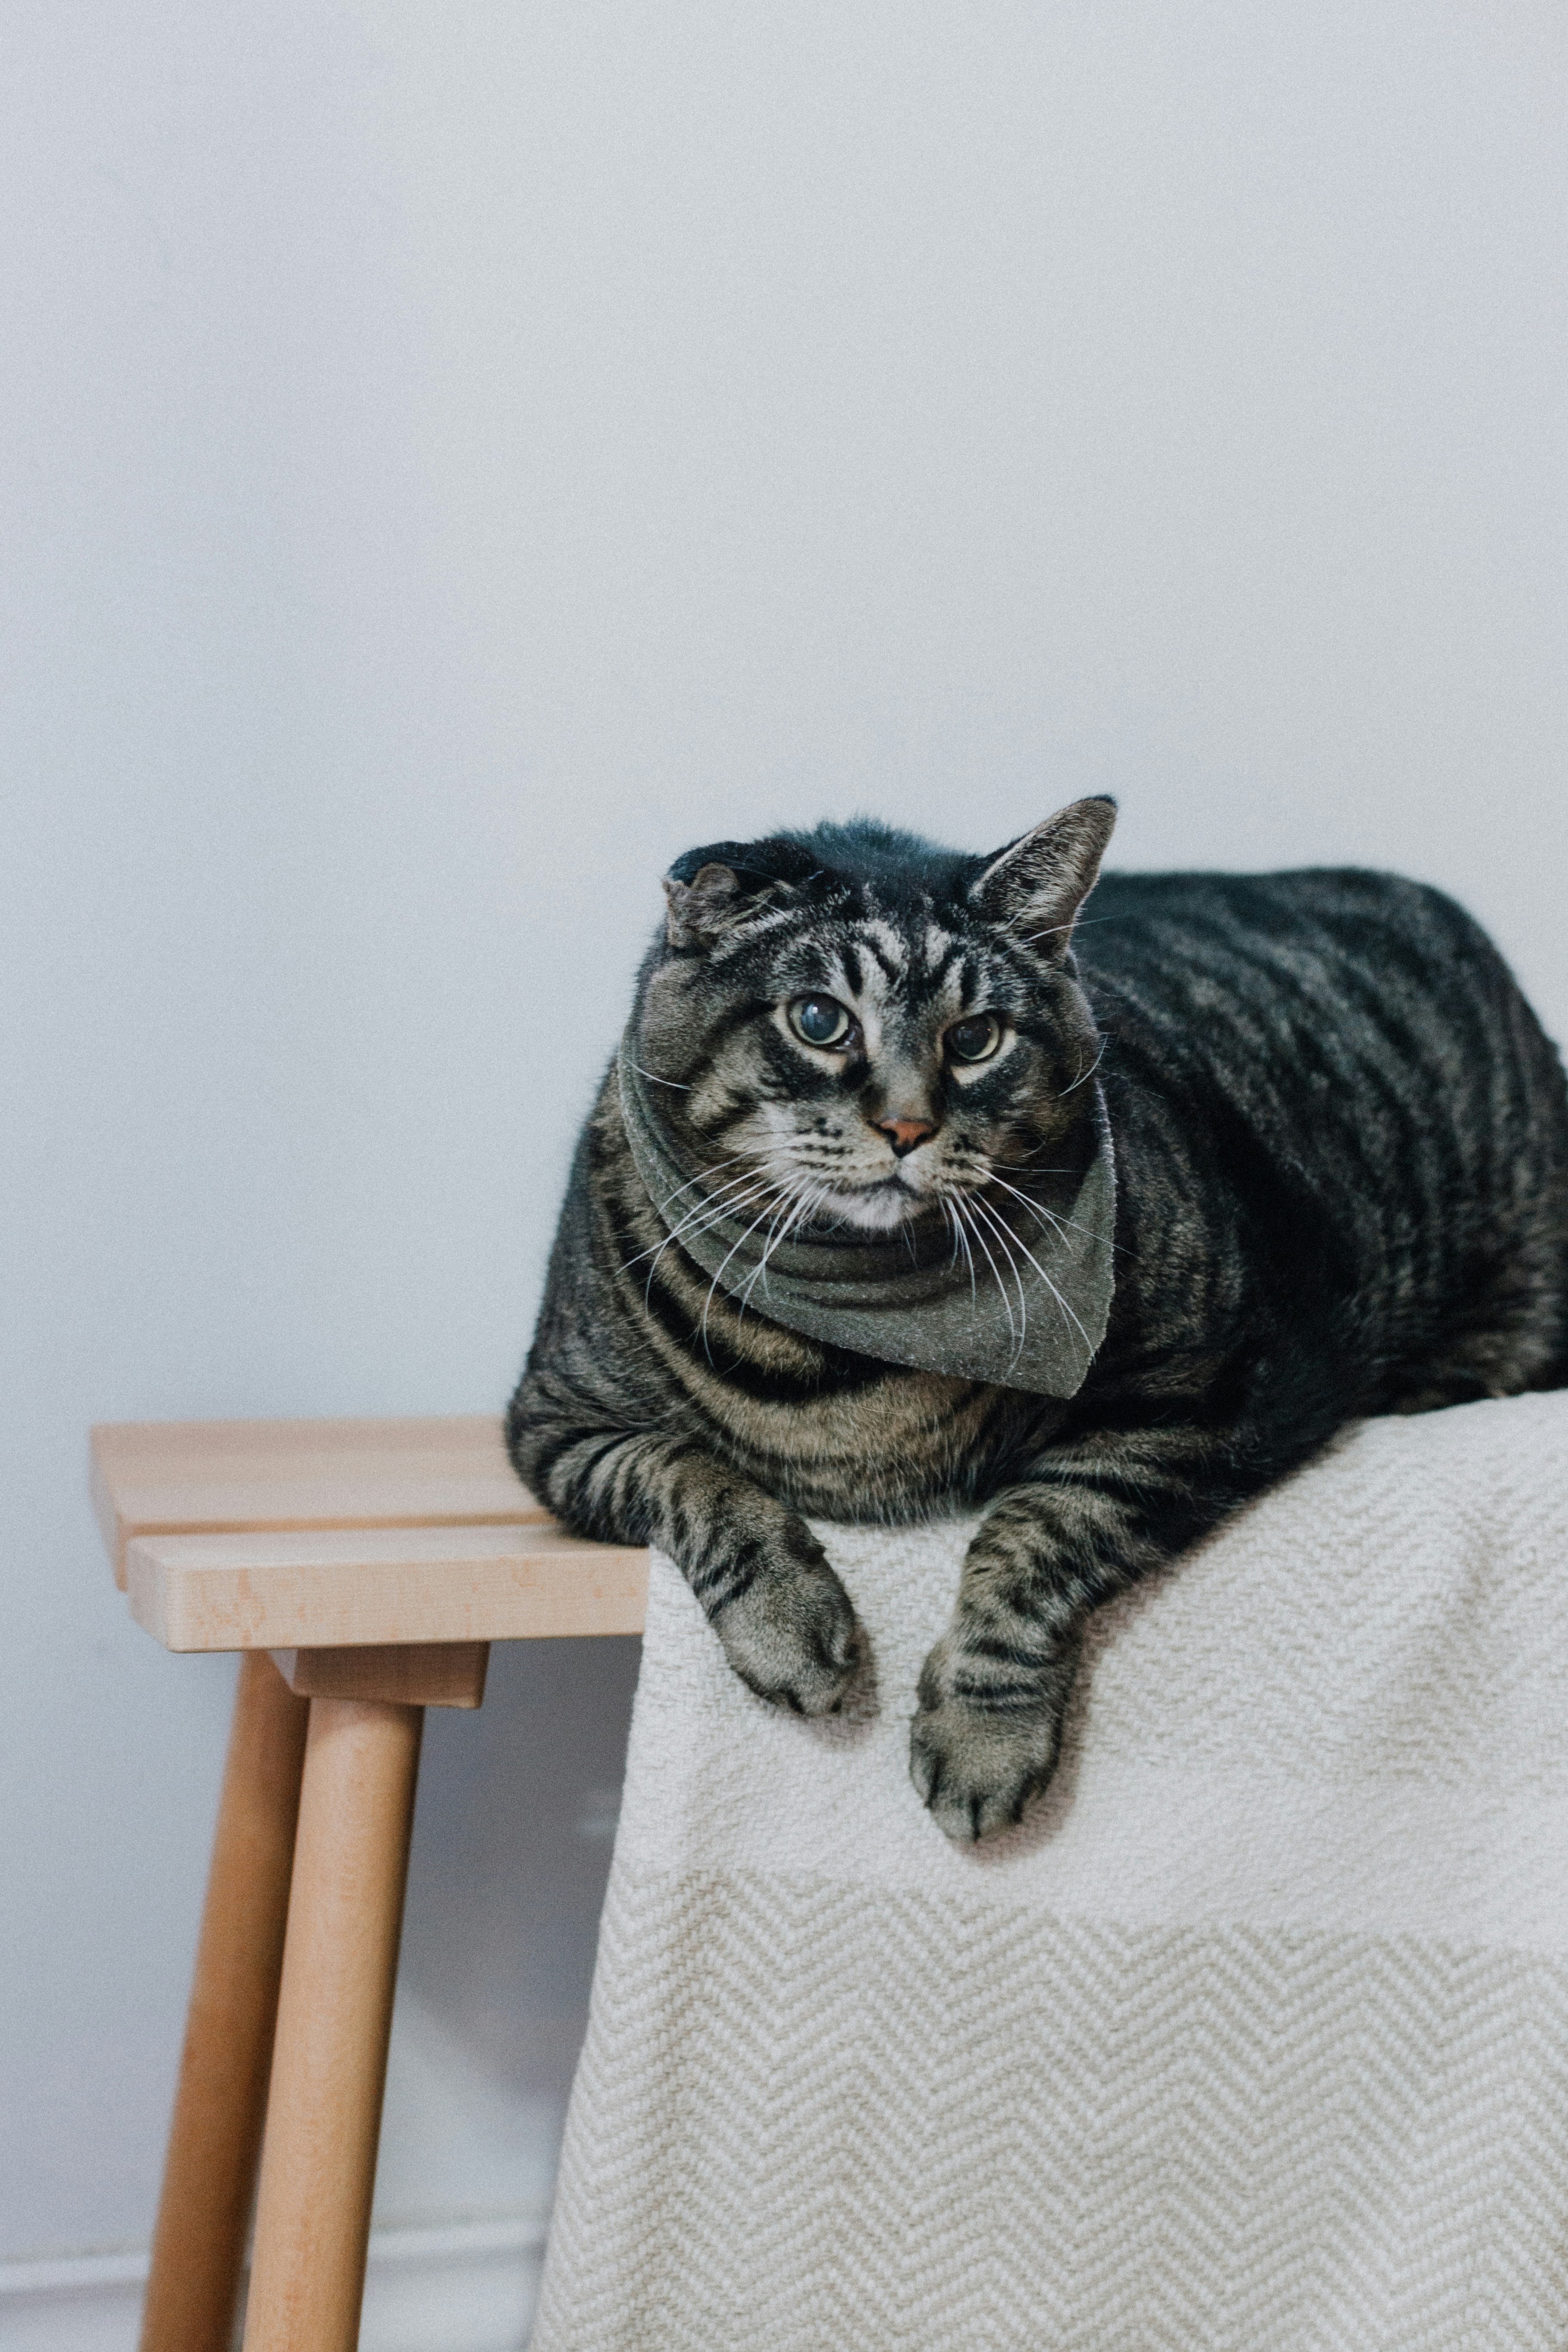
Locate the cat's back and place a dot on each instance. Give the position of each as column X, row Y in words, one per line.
column 1323, row 977
column 1342, row 1037
column 1209, row 932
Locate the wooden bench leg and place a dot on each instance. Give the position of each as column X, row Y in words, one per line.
column 215, row 2137
column 334, row 2013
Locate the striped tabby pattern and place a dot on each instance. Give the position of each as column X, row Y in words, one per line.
column 1341, row 1145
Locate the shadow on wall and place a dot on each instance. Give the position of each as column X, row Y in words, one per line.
column 512, row 1841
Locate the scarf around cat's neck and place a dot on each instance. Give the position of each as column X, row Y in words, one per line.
column 905, row 1296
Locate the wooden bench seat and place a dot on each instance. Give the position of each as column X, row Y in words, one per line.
column 363, row 1568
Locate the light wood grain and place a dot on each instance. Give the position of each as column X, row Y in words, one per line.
column 334, row 2013
column 412, row 1674
column 215, row 2137
column 327, row 1591
column 195, row 1476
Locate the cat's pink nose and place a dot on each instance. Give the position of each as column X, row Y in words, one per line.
column 903, row 1134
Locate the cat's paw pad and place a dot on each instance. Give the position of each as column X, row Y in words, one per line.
column 793, row 1638
column 976, row 1767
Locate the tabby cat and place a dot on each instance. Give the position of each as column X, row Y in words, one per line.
column 1243, row 1157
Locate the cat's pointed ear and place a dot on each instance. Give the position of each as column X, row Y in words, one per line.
column 699, row 909
column 1034, row 888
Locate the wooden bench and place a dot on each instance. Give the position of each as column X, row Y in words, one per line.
column 363, row 1568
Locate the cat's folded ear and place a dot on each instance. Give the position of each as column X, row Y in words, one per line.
column 699, row 909
column 712, row 889
column 1034, row 888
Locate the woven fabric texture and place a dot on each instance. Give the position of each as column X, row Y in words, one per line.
column 1256, row 2035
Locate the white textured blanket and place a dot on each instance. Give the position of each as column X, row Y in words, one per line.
column 1256, row 2038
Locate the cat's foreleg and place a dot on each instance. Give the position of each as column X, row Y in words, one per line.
column 1094, row 1516
column 783, row 1618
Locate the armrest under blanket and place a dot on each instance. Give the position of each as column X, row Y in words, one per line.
column 1256, row 2032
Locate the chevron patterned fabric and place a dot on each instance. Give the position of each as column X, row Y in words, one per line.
column 1253, row 2038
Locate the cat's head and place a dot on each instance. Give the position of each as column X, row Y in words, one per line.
column 854, row 1026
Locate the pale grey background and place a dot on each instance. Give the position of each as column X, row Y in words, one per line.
column 454, row 457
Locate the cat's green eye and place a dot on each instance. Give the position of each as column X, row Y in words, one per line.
column 820, row 1020
column 977, row 1039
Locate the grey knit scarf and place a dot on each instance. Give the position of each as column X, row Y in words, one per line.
column 906, row 1297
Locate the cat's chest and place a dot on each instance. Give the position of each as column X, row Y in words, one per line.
column 879, row 1447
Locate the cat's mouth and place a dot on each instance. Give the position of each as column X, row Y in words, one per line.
column 877, row 1206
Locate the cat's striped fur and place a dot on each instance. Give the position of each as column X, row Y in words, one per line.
column 1341, row 1144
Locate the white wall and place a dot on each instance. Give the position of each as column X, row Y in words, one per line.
column 457, row 456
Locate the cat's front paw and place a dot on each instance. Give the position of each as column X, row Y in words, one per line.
column 793, row 1638
column 978, row 1766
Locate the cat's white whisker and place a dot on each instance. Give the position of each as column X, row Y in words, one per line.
column 700, row 1220
column 713, row 1285
column 1051, row 1216
column 714, row 1212
column 954, row 1211
column 702, row 1177
column 809, row 1202
column 1050, row 1285
column 791, row 1213
column 691, row 1218
column 1006, row 1239
column 1094, row 1066
column 1001, row 1286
